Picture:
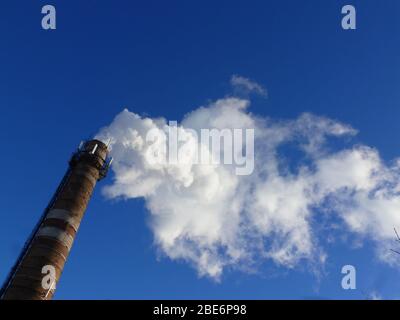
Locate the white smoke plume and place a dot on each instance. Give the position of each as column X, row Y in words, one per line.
column 214, row 219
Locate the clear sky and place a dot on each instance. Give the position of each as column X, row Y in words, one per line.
column 165, row 58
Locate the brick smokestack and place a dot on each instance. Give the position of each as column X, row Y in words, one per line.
column 42, row 260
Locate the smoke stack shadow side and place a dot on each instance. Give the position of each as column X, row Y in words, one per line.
column 39, row 267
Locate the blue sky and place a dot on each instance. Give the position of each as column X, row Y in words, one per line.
column 165, row 58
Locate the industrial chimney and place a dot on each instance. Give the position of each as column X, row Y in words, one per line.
column 42, row 260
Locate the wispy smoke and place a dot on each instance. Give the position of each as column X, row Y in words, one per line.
column 214, row 219
column 245, row 85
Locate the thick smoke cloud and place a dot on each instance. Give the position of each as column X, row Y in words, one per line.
column 214, row 219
